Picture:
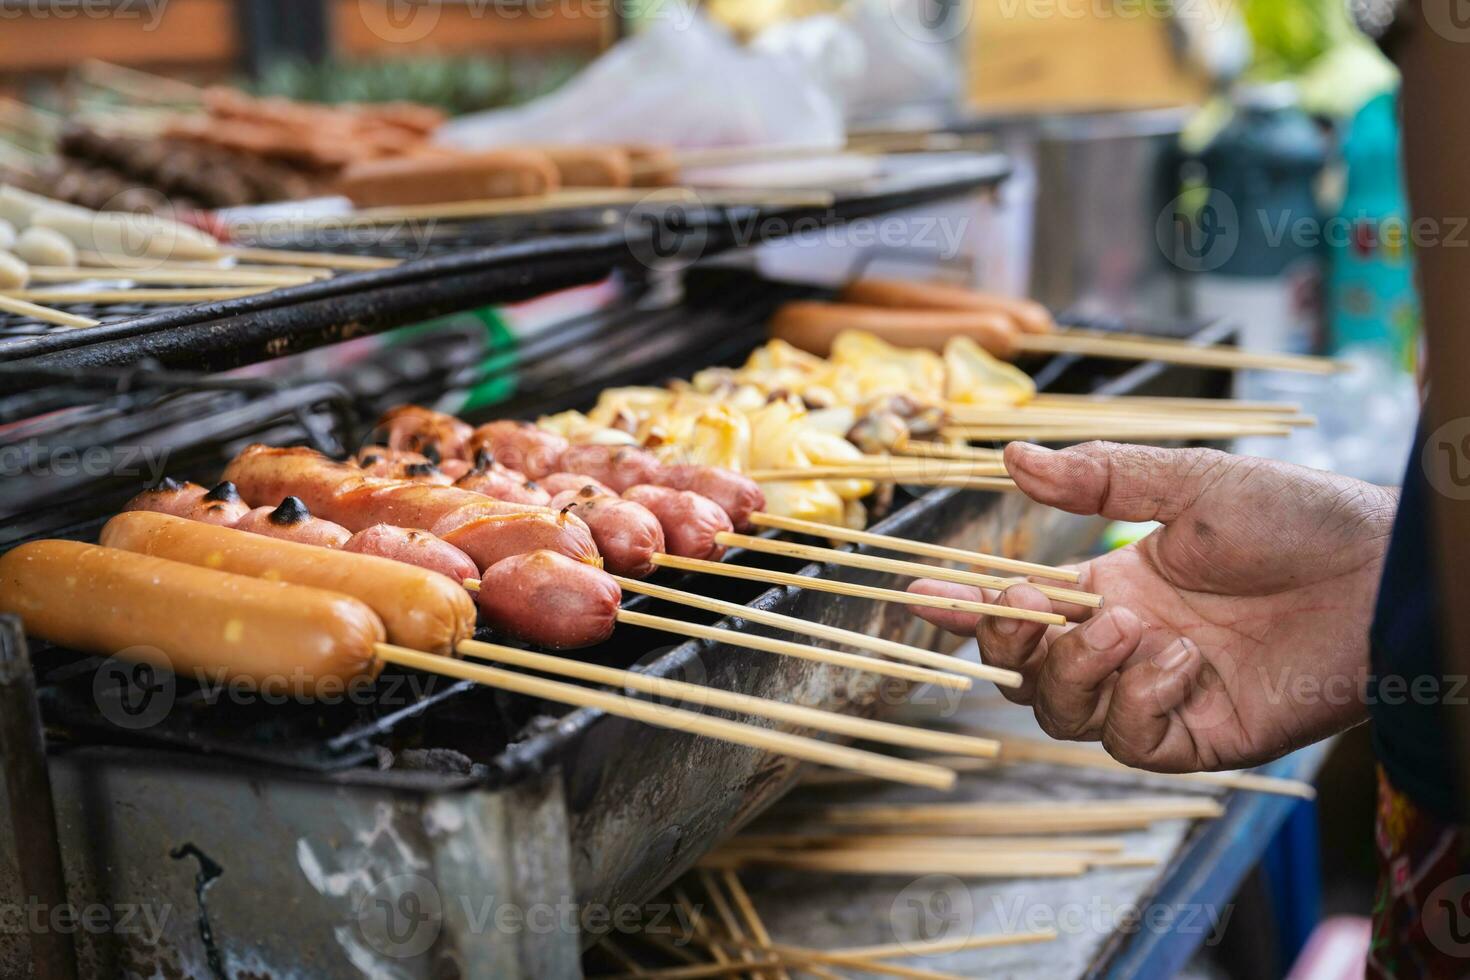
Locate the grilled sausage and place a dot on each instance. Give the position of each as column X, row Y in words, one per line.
column 739, row 496
column 590, row 166
column 421, row 430
column 419, row 608
column 196, row 622
column 413, row 547
column 449, row 177
column 222, row 505
column 549, row 600
column 813, row 326
column 627, row 534
column 521, row 446
column 291, row 521
column 267, row 475
column 690, row 522
column 1030, row 316
column 557, row 483
column 490, row 537
column 619, row 467
column 503, row 483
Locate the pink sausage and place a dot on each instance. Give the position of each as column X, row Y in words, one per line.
column 550, row 600
column 490, row 537
column 690, row 522
column 519, row 445
column 414, row 547
column 739, row 495
column 555, row 483
column 222, row 505
column 619, row 467
column 422, row 430
column 503, row 483
column 291, row 521
column 627, row 534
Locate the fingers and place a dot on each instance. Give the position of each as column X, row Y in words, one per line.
column 1143, row 727
column 1016, row 644
column 1011, row 643
column 962, row 623
column 1074, row 682
column 1120, row 482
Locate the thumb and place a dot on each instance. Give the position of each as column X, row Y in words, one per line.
column 1120, row 482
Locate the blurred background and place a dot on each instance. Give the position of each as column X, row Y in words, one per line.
column 1195, row 159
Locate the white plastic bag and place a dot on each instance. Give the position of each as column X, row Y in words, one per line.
column 676, row 84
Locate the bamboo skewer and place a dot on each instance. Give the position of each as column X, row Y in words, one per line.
column 321, row 260
column 890, row 543
column 908, row 672
column 941, row 671
column 833, row 634
column 802, row 957
column 1163, row 404
column 1140, row 348
column 1118, row 433
column 748, row 912
column 45, row 314
column 726, row 913
column 893, row 566
column 780, row 743
column 999, row 864
column 711, row 697
column 849, row 842
column 139, row 296
column 938, row 450
column 1026, row 818
column 856, row 591
column 881, row 474
column 1033, row 750
column 1061, row 417
column 941, row 947
column 178, row 277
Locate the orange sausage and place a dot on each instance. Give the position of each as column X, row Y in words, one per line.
column 440, row 179
column 1030, row 316
column 419, row 608
column 197, row 622
column 813, row 326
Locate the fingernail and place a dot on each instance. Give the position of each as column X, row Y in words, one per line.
column 1102, row 633
column 1173, row 658
column 1007, row 626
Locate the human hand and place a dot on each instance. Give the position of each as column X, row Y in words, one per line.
column 1262, row 575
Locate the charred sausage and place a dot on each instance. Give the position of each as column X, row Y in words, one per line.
column 291, row 521
column 490, row 537
column 436, row 435
column 627, row 534
column 549, row 600
column 503, row 483
column 419, row 609
column 194, row 621
column 690, row 522
column 619, row 467
column 413, row 547
column 521, row 446
column 738, row 495
column 556, row 483
column 221, row 505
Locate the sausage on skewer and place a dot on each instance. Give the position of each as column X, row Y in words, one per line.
column 190, row 620
column 419, row 608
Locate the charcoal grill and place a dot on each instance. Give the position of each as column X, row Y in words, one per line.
column 431, row 828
